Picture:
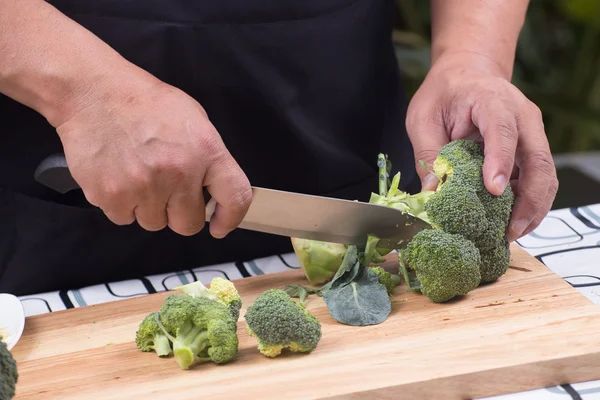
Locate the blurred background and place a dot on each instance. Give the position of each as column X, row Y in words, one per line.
column 557, row 67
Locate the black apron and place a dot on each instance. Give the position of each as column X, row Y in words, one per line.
column 305, row 94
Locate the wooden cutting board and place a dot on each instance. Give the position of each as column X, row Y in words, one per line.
column 530, row 329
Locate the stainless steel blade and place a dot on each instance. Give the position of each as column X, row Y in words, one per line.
column 326, row 219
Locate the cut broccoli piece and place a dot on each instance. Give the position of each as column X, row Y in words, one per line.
column 446, row 265
column 220, row 289
column 9, row 374
column 278, row 322
column 150, row 336
column 201, row 329
column 319, row 260
column 388, row 280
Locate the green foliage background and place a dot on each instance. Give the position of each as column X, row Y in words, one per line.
column 557, row 64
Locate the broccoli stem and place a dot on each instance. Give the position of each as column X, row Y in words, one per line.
column 411, row 281
column 190, row 341
column 371, row 253
column 162, row 346
column 384, row 173
column 396, row 279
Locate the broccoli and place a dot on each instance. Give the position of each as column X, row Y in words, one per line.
column 445, row 265
column 461, row 204
column 319, row 260
column 389, row 281
column 476, row 214
column 8, row 373
column 278, row 322
column 150, row 336
column 220, row 289
column 201, row 329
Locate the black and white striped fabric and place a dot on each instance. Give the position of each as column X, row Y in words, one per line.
column 567, row 242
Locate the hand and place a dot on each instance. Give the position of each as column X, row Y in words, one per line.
column 465, row 96
column 143, row 150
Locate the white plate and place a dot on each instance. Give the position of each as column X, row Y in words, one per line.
column 12, row 319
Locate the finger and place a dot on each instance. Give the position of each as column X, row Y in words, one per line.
column 536, row 175
column 185, row 211
column 115, row 203
column 227, row 183
column 120, row 216
column 544, row 210
column 498, row 127
column 151, row 215
column 428, row 135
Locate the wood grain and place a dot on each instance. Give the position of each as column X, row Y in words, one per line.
column 528, row 330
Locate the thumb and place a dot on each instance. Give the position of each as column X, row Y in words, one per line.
column 427, row 140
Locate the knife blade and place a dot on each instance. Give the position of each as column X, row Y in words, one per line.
column 291, row 214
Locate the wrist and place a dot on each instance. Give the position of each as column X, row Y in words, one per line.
column 456, row 58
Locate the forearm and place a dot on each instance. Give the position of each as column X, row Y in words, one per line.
column 488, row 28
column 50, row 63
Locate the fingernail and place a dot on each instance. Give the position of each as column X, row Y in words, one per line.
column 219, row 235
column 519, row 226
column 500, row 182
column 430, row 181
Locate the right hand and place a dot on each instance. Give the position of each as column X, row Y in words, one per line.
column 143, row 150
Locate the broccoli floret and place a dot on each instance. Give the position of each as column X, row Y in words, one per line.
column 220, row 289
column 201, row 329
column 390, row 281
column 495, row 261
column 278, row 322
column 319, row 260
column 9, row 375
column 150, row 336
column 446, row 265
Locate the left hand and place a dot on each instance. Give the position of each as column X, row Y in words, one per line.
column 465, row 96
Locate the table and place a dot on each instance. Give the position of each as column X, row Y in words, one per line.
column 567, row 242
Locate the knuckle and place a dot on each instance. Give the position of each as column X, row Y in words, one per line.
column 241, row 199
column 542, row 161
column 506, row 128
column 141, row 180
column 533, row 200
column 427, row 156
column 535, row 111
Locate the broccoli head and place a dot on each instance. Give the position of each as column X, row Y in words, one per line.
column 319, row 260
column 150, row 336
column 278, row 322
column 201, row 329
column 221, row 289
column 446, row 265
column 390, row 281
column 8, row 373
column 461, row 204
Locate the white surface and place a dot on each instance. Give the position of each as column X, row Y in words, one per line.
column 12, row 319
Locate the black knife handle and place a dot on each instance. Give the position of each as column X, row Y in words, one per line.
column 53, row 172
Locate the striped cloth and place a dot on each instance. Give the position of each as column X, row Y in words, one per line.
column 567, row 242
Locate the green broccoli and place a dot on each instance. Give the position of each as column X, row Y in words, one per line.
column 8, row 373
column 220, row 289
column 445, row 265
column 319, row 260
column 201, row 329
column 278, row 322
column 461, row 204
column 390, row 281
column 150, row 336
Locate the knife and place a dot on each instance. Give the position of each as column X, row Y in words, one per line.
column 290, row 214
